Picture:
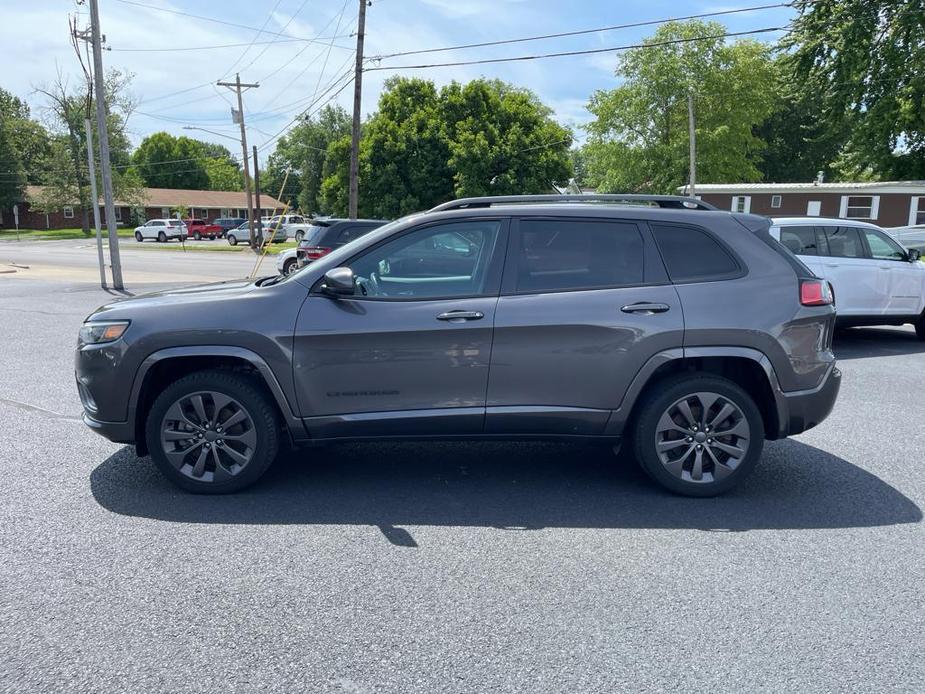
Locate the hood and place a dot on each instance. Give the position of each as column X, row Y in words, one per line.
column 202, row 293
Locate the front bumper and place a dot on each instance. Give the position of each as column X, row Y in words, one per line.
column 805, row 409
column 117, row 432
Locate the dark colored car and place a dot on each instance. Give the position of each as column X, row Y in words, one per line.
column 226, row 224
column 686, row 334
column 326, row 235
column 199, row 229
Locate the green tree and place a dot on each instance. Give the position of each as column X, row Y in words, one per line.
column 503, row 140
column 65, row 178
column 28, row 138
column 165, row 161
column 12, row 178
column 639, row 139
column 425, row 146
column 864, row 60
column 302, row 152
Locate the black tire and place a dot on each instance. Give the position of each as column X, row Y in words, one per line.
column 261, row 415
column 679, row 477
column 232, row 239
column 289, row 266
column 299, row 235
column 138, row 237
column 197, row 236
column 920, row 327
column 162, row 237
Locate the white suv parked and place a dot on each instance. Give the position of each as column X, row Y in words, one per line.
column 876, row 280
column 161, row 230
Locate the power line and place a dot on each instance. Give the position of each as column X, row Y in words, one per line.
column 256, row 36
column 221, row 21
column 580, row 32
column 228, row 45
column 590, row 51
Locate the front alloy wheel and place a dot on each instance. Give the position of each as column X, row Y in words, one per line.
column 698, row 435
column 213, row 432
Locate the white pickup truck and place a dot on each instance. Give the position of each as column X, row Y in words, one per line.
column 295, row 225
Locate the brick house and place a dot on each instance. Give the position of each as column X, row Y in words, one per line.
column 159, row 202
column 887, row 204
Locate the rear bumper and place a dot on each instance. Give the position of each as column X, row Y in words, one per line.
column 802, row 410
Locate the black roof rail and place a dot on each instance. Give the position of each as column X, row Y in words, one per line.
column 675, row 202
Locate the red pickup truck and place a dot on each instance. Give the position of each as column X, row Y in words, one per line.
column 200, row 228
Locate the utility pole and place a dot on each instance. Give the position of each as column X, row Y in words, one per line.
column 257, row 198
column 238, row 117
column 357, row 99
column 105, row 165
column 693, row 142
column 96, row 202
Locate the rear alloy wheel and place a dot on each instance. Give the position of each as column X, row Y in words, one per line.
column 138, row 237
column 299, row 235
column 212, row 432
column 699, row 435
column 290, row 266
column 920, row 327
column 232, row 239
column 162, row 237
column 197, row 236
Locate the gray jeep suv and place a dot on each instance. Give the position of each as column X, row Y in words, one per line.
column 688, row 333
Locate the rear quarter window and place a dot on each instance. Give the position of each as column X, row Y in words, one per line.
column 693, row 255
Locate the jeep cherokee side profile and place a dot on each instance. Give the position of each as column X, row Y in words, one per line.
column 685, row 333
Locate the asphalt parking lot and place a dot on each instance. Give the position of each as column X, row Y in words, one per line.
column 456, row 567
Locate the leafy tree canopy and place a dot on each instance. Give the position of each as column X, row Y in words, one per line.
column 639, row 139
column 424, row 146
column 864, row 60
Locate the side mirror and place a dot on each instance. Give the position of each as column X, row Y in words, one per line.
column 339, row 281
column 914, row 254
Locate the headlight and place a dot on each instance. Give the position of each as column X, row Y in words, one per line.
column 98, row 332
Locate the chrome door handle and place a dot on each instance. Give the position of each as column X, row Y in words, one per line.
column 646, row 308
column 460, row 316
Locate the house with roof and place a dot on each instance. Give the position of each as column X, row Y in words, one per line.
column 884, row 203
column 158, row 202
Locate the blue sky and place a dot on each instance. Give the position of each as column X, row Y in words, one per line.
column 289, row 72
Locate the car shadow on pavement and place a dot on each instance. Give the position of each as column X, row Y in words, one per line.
column 861, row 343
column 510, row 486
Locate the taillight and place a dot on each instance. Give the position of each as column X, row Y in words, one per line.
column 315, row 252
column 816, row 293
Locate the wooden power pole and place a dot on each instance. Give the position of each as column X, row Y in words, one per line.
column 105, row 164
column 357, row 99
column 238, row 117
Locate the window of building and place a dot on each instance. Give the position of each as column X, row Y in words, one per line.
column 165, row 212
column 800, row 240
column 68, row 212
column 859, row 206
column 555, row 255
column 118, row 214
column 844, row 242
column 775, row 201
column 741, row 203
column 917, row 211
column 691, row 254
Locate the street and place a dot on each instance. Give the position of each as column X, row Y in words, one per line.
column 76, row 260
column 446, row 567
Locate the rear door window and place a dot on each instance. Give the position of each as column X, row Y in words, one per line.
column 800, row 240
column 692, row 255
column 569, row 254
column 844, row 242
